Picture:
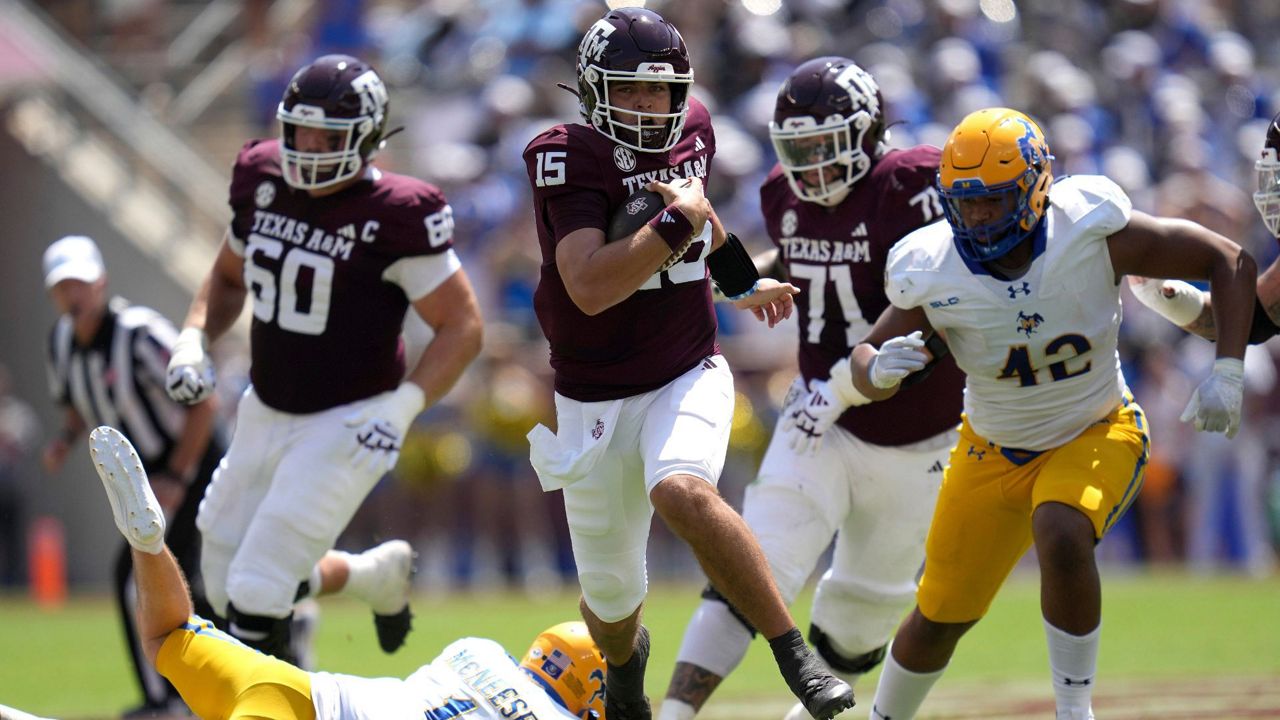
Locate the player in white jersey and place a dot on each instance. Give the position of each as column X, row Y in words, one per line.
column 561, row 675
column 1023, row 284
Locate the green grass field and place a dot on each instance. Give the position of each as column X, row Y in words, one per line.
column 70, row 663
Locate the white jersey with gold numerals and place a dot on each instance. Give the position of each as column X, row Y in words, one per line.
column 1039, row 352
column 473, row 679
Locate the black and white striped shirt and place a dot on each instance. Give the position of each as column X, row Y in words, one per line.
column 118, row 379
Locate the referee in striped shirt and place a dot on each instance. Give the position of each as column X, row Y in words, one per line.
column 107, row 361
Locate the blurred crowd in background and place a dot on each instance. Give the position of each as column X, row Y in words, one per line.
column 1170, row 98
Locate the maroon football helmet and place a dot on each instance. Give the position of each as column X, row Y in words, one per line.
column 340, row 94
column 1267, row 198
column 634, row 45
column 827, row 127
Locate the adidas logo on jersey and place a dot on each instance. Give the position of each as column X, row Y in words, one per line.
column 936, row 467
column 860, row 231
column 698, row 145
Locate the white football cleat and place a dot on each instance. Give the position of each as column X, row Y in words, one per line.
column 135, row 508
column 383, row 576
column 389, row 573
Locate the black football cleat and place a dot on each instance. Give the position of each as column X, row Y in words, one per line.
column 826, row 697
column 393, row 629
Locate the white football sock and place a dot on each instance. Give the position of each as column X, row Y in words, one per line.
column 360, row 574
column 900, row 691
column 1073, row 660
column 715, row 640
column 673, row 709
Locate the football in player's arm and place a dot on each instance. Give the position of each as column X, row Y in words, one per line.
column 1191, row 308
column 1023, row 281
column 334, row 252
column 644, row 399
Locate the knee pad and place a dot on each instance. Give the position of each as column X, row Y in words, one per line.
column 270, row 635
column 859, row 617
column 215, row 563
column 609, row 595
column 258, row 594
column 843, row 664
column 710, row 593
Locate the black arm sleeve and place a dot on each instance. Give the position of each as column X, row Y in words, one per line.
column 1264, row 328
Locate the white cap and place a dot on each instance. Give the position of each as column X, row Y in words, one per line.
column 74, row 257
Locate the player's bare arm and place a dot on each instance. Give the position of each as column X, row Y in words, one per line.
column 893, row 324
column 221, row 297
column 599, row 275
column 1171, row 248
column 453, row 313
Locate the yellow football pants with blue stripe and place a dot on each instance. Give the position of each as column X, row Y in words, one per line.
column 220, row 678
column 982, row 522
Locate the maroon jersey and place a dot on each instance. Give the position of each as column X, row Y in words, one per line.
column 579, row 178
column 836, row 257
column 326, row 325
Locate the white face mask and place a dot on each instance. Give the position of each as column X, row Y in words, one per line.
column 314, row 170
column 808, row 152
column 1267, row 198
column 646, row 131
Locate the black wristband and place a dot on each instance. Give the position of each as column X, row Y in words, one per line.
column 673, row 227
column 733, row 269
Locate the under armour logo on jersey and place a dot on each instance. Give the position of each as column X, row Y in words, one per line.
column 598, row 430
column 936, row 467
column 860, row 231
column 698, row 145
column 975, row 452
column 1013, row 291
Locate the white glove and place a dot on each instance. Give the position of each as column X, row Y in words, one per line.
column 381, row 424
column 190, row 377
column 827, row 400
column 1176, row 301
column 897, row 358
column 1215, row 405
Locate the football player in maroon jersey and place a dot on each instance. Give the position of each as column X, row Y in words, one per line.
column 1189, row 307
column 643, row 398
column 334, row 252
column 835, row 203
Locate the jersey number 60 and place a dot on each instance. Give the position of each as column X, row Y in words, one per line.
column 268, row 293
